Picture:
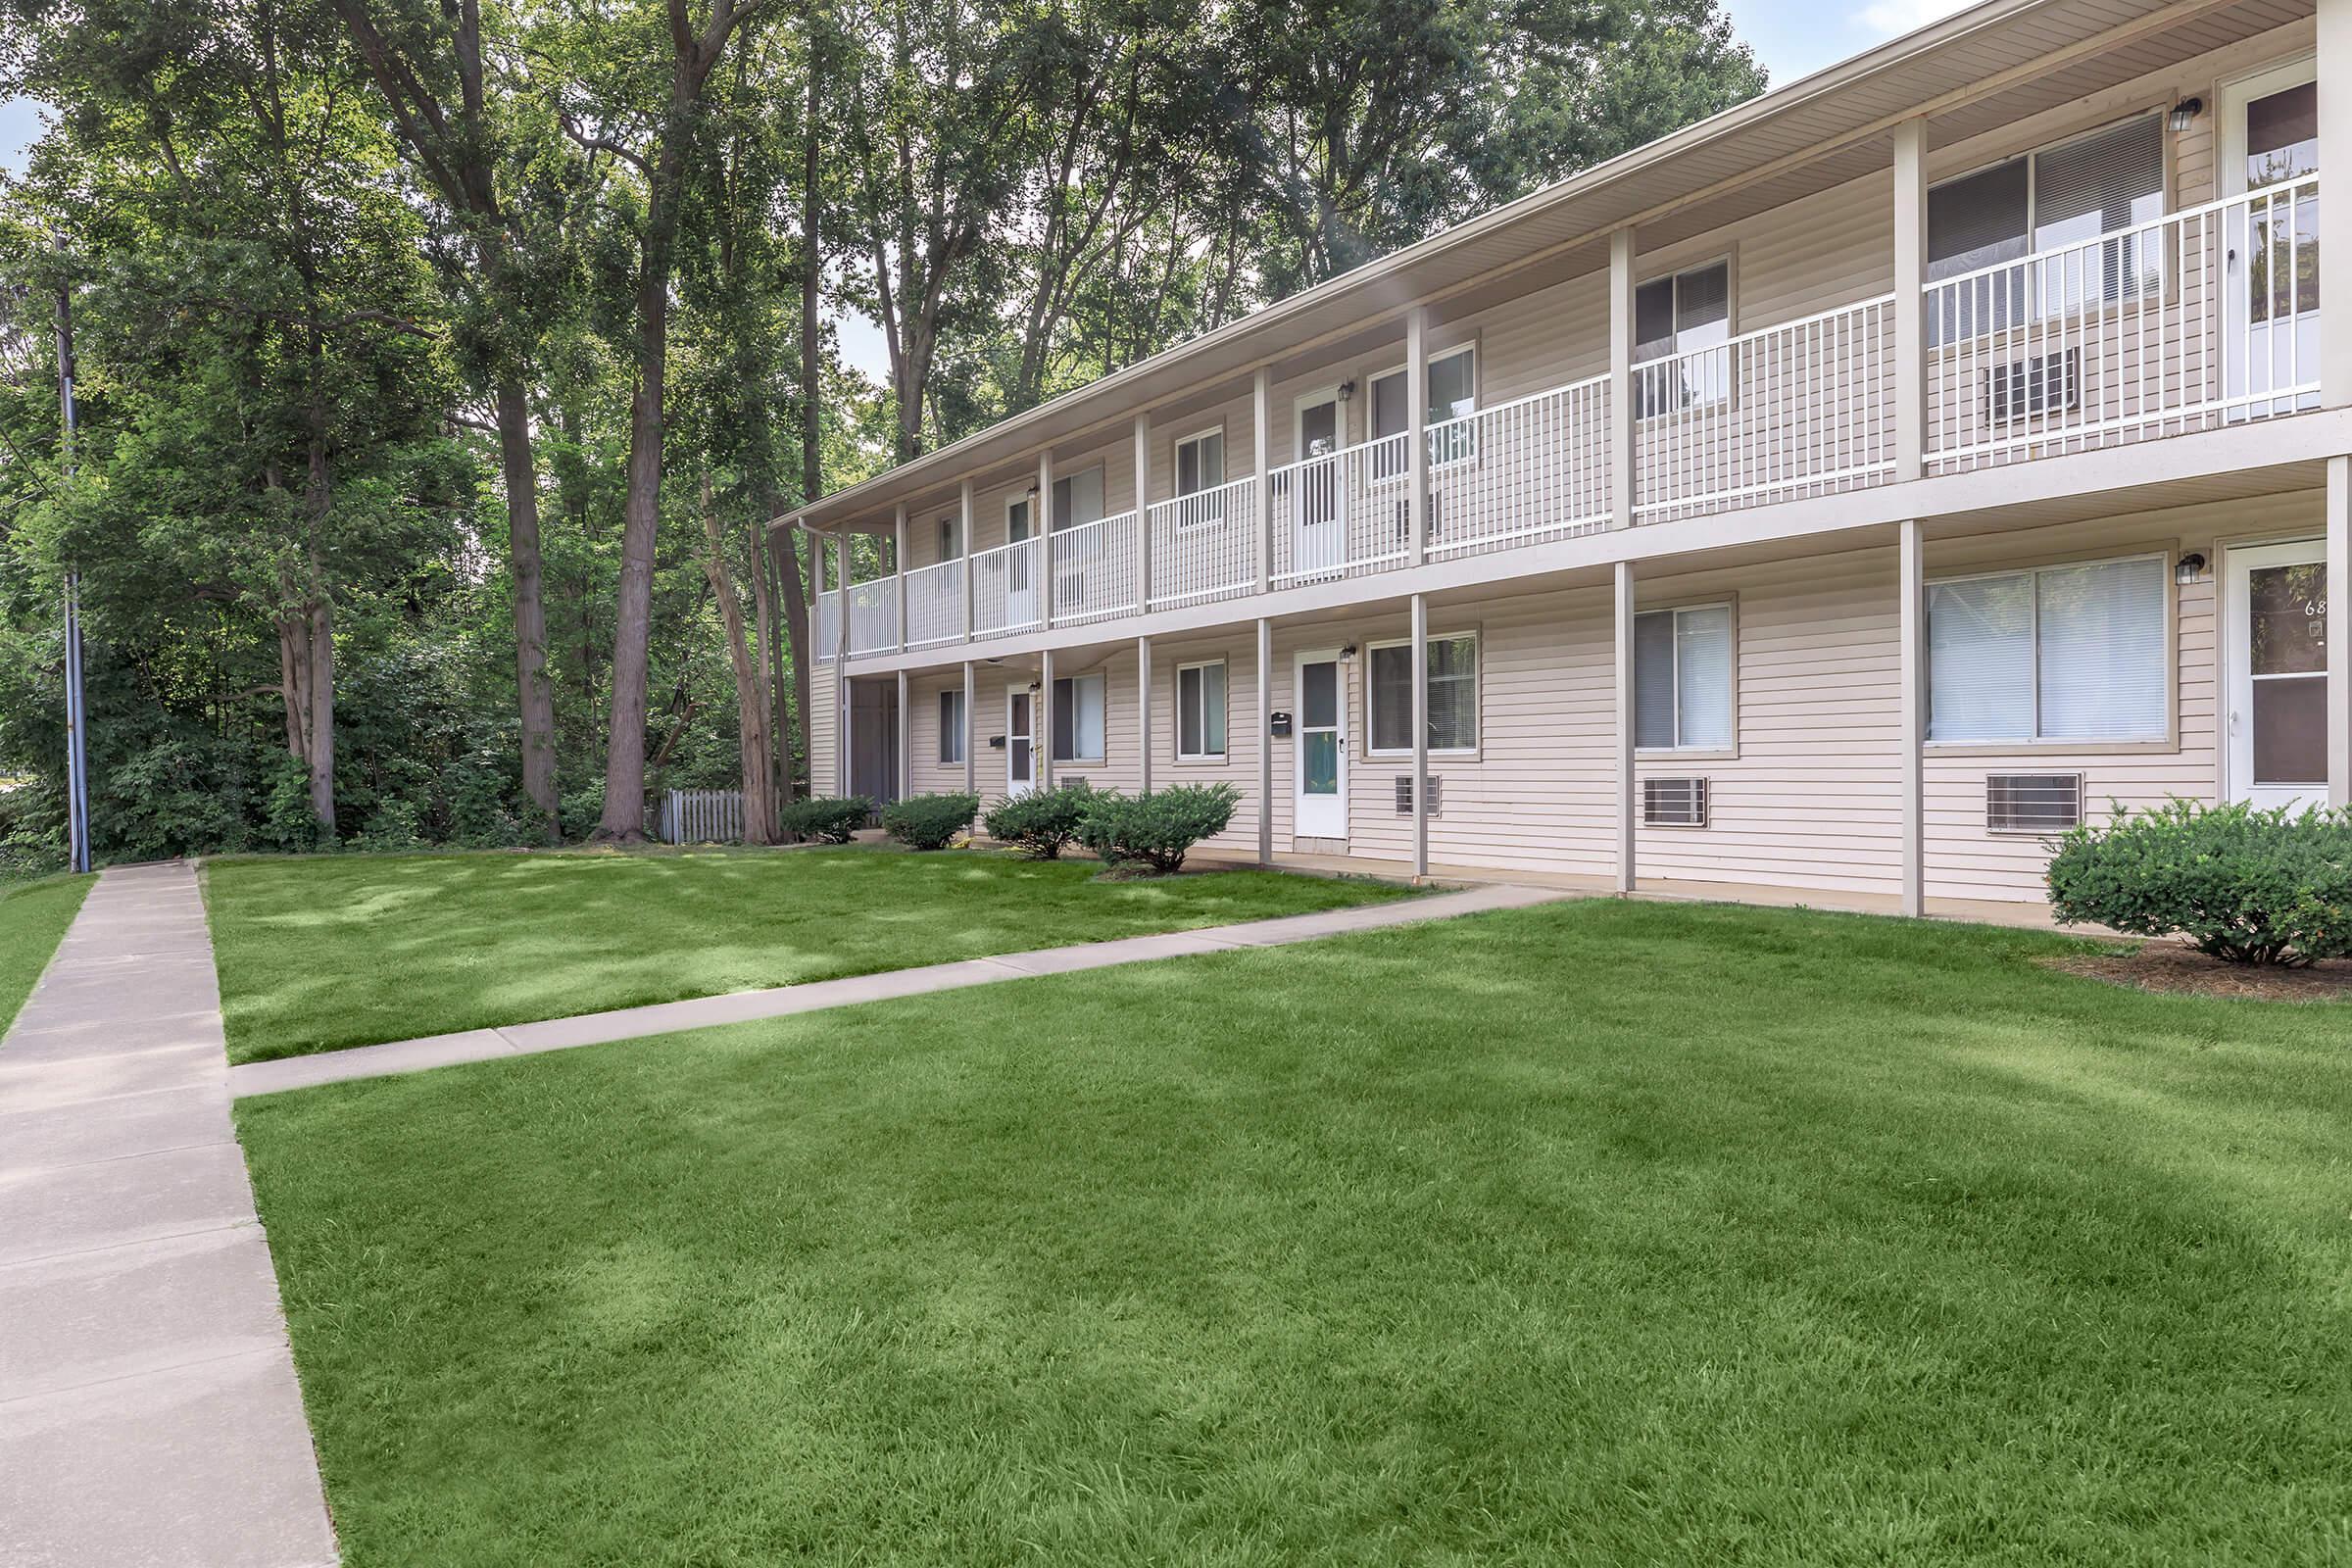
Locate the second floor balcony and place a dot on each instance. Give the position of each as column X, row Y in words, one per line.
column 2191, row 321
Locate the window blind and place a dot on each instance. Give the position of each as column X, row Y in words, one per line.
column 1981, row 659
column 2102, row 657
column 950, row 725
column 1078, row 719
column 1653, row 680
column 1702, row 668
column 1976, row 220
column 2109, row 180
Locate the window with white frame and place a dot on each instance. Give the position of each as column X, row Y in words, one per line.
column 1201, row 711
column 1452, row 395
column 1199, row 467
column 1020, row 518
column 1078, row 498
column 951, row 725
column 1452, row 695
column 2071, row 653
column 1683, row 679
column 951, row 538
column 1682, row 314
column 1078, row 719
column 2047, row 200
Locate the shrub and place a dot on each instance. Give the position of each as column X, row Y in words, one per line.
column 829, row 820
column 929, row 821
column 1041, row 823
column 1156, row 828
column 2246, row 886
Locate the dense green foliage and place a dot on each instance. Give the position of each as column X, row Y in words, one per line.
column 930, row 821
column 1042, row 824
column 33, row 917
column 1155, row 829
column 2244, row 885
column 318, row 954
column 1605, row 1233
column 826, row 818
column 377, row 541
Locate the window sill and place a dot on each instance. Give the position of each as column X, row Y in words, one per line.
column 1218, row 760
column 2155, row 747
column 1470, row 756
column 1676, row 754
column 1087, row 763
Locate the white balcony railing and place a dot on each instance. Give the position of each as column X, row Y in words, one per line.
column 1005, row 589
column 828, row 624
column 1205, row 545
column 874, row 616
column 1797, row 410
column 1520, row 473
column 934, row 605
column 2185, row 323
column 1094, row 570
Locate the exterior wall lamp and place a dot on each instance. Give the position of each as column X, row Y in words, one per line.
column 2190, row 569
column 2184, row 113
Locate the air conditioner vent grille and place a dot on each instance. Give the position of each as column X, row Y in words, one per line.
column 1674, row 802
column 2032, row 803
column 1404, row 795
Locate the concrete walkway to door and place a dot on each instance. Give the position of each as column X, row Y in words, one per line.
column 668, row 1017
column 148, row 1407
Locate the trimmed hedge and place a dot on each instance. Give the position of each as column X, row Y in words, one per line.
column 929, row 821
column 2246, row 886
column 1157, row 828
column 1041, row 823
column 828, row 819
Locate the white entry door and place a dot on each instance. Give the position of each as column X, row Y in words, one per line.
column 1321, row 811
column 2270, row 135
column 1318, row 510
column 2277, row 653
column 1020, row 741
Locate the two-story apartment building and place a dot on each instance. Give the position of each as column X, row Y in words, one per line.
column 1834, row 498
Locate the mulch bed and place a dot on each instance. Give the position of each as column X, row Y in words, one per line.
column 2168, row 969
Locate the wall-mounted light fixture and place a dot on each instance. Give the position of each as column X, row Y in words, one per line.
column 2184, row 113
column 2189, row 568
column 1348, row 653
column 1346, row 390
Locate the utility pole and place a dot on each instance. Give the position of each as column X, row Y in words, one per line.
column 77, row 750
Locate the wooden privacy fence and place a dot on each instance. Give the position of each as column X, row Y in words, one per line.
column 701, row 816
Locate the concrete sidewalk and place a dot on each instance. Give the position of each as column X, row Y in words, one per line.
column 148, row 1407
column 667, row 1017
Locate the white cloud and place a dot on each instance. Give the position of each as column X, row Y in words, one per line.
column 1886, row 19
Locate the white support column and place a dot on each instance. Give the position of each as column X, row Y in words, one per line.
column 1142, row 713
column 963, row 530
column 971, row 757
column 1041, row 723
column 1042, row 519
column 1621, row 379
column 1262, row 407
column 1622, row 619
column 1910, row 320
column 905, row 770
column 898, row 570
column 1416, row 421
column 841, row 666
column 1265, row 742
column 1143, row 514
column 1911, row 576
column 2339, row 628
column 1420, row 657
column 2335, row 210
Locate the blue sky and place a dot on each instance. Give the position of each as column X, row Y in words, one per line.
column 1792, row 37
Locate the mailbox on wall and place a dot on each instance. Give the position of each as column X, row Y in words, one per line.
column 1279, row 722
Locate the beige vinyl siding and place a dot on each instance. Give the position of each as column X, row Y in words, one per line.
column 824, row 691
column 1237, row 647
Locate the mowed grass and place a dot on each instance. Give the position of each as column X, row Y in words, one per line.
column 1601, row 1233
column 318, row 954
column 33, row 917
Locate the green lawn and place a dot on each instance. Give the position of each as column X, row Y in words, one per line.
column 1598, row 1233
column 33, row 917
column 317, row 953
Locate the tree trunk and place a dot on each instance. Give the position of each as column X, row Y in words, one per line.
column 323, row 710
column 535, row 700
column 751, row 683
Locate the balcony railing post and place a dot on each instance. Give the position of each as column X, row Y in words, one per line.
column 1910, row 282
column 2334, row 75
column 1142, row 513
column 898, row 570
column 963, row 530
column 1261, row 402
column 1416, row 422
column 1621, row 379
column 1041, row 520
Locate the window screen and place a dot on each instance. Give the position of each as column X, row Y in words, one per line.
column 1977, row 220
column 1199, row 464
column 1201, row 711
column 950, row 725
column 1452, row 695
column 1682, row 678
column 1078, row 719
column 2065, row 652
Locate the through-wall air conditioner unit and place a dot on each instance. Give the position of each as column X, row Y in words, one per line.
column 2032, row 803
column 1404, row 795
column 1674, row 802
